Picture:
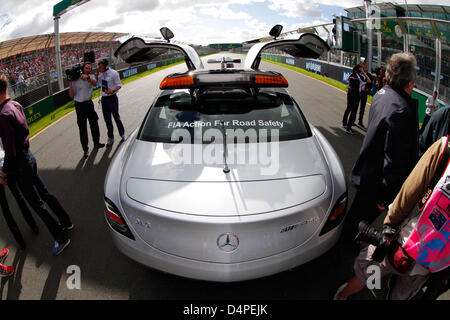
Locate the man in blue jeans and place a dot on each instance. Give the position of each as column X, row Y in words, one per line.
column 20, row 201
column 109, row 81
column 20, row 164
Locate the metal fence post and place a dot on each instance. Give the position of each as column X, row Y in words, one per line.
column 58, row 54
column 437, row 80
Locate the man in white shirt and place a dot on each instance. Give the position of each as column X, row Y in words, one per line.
column 109, row 81
column 81, row 92
column 432, row 106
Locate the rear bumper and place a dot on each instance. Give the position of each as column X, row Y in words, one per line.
column 225, row 272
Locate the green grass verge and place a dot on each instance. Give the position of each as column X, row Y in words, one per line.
column 319, row 77
column 47, row 120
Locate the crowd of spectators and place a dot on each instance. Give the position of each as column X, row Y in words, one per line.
column 27, row 71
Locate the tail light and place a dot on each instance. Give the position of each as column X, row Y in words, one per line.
column 337, row 214
column 224, row 78
column 269, row 80
column 116, row 220
column 177, row 82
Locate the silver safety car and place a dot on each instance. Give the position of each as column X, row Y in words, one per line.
column 225, row 180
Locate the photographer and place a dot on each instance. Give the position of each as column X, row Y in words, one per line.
column 404, row 215
column 81, row 91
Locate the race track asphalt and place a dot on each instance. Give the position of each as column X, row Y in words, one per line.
column 105, row 272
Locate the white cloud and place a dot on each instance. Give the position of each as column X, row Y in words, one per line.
column 21, row 23
column 224, row 12
column 137, row 5
column 187, row 18
column 296, row 9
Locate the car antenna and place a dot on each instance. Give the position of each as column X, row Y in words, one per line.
column 225, row 148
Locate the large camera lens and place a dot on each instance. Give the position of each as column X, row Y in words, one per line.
column 368, row 234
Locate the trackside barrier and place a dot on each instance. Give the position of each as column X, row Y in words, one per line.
column 422, row 98
column 51, row 103
column 341, row 74
column 39, row 109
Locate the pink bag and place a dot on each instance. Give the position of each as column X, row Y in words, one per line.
column 428, row 244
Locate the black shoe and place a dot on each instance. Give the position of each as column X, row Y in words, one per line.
column 99, row 145
column 86, row 154
column 361, row 125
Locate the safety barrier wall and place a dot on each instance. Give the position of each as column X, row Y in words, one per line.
column 41, row 108
column 341, row 74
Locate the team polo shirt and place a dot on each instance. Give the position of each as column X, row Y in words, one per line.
column 108, row 80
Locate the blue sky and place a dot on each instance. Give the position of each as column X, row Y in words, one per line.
column 198, row 22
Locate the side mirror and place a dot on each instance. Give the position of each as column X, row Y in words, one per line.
column 276, row 31
column 166, row 33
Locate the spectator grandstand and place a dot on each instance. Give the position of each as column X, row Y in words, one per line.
column 30, row 62
column 28, row 70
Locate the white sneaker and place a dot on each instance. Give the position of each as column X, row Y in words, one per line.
column 110, row 141
column 124, row 137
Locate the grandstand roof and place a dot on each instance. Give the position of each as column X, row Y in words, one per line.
column 409, row 7
column 32, row 43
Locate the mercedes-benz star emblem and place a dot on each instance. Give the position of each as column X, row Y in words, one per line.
column 228, row 242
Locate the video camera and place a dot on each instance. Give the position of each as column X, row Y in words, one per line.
column 74, row 73
column 370, row 235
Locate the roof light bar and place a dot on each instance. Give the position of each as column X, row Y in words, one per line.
column 223, row 79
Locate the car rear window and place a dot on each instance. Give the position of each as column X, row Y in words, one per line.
column 182, row 117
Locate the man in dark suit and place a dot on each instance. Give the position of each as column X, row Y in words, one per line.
column 437, row 127
column 389, row 150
